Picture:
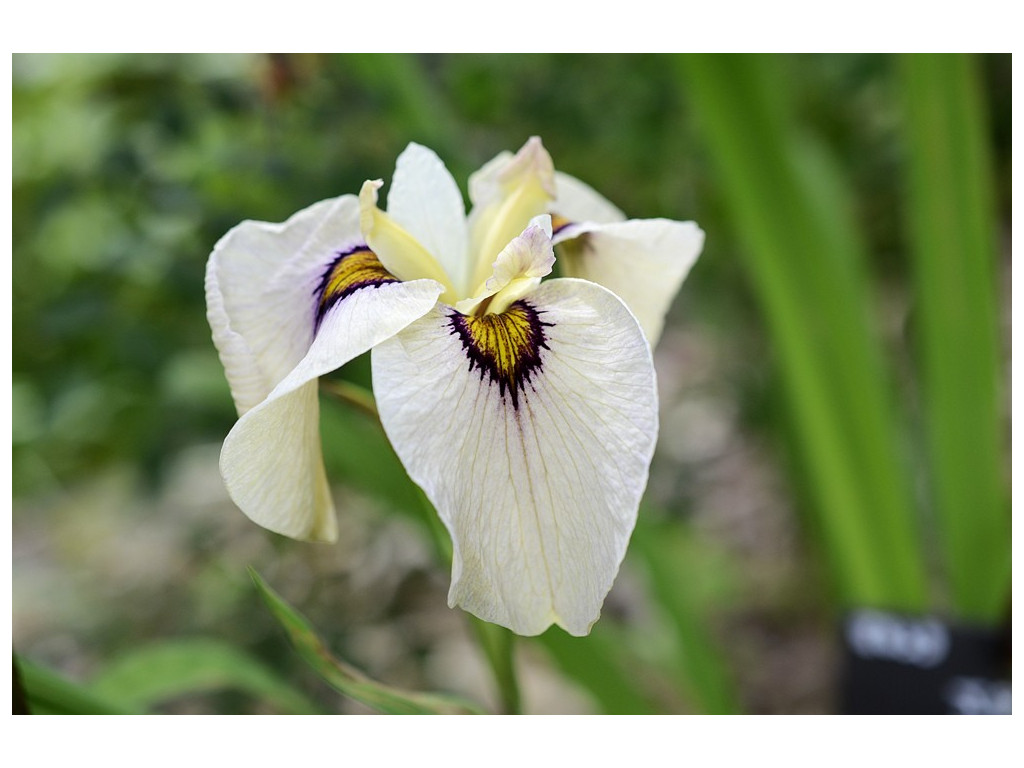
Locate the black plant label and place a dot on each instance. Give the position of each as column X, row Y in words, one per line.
column 898, row 664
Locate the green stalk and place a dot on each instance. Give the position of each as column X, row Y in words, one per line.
column 498, row 644
column 666, row 550
column 351, row 394
column 952, row 228
column 345, row 678
column 807, row 266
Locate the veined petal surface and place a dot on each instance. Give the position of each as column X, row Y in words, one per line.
column 260, row 285
column 532, row 434
column 271, row 460
column 642, row 261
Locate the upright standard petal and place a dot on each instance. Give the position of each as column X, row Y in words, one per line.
column 425, row 200
column 532, row 432
column 401, row 254
column 506, row 194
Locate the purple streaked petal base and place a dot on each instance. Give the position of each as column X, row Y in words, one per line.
column 351, row 270
column 505, row 348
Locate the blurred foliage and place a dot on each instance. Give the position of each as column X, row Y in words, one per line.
column 128, row 168
column 807, row 259
column 950, row 203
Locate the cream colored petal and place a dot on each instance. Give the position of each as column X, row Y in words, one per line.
column 425, row 200
column 537, row 476
column 578, row 202
column 260, row 285
column 271, row 460
column 506, row 194
column 483, row 183
column 642, row 261
column 402, row 255
column 273, row 467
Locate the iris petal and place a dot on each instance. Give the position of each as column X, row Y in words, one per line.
column 401, row 253
column 271, row 460
column 533, row 438
column 287, row 303
column 260, row 281
column 643, row 261
column 425, row 200
column 527, row 413
column 517, row 270
column 579, row 202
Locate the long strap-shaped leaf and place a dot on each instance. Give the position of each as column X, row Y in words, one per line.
column 49, row 693
column 952, row 227
column 347, row 679
column 807, row 268
column 164, row 670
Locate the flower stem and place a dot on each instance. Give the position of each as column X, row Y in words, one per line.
column 498, row 644
column 350, row 394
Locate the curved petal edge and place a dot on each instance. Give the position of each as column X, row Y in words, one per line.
column 271, row 460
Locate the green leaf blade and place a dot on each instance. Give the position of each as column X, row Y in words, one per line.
column 952, row 232
column 49, row 693
column 599, row 664
column 807, row 266
column 674, row 572
column 149, row 676
column 345, row 678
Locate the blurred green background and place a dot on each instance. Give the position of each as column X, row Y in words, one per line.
column 815, row 453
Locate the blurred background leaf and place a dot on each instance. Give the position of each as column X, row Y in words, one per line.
column 953, row 239
column 806, row 259
column 345, row 678
column 49, row 693
column 151, row 675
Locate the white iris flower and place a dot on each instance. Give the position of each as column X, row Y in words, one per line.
column 525, row 409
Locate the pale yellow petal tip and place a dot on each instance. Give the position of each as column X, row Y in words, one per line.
column 323, row 530
column 700, row 235
column 368, row 204
column 413, row 146
column 533, row 160
column 574, row 631
column 528, row 255
column 542, row 221
column 326, row 533
column 400, row 253
column 530, row 626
